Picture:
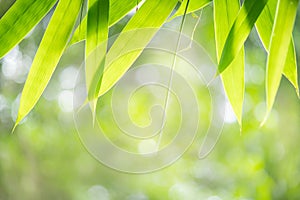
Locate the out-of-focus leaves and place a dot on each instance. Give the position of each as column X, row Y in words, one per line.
column 19, row 20
column 264, row 26
column 118, row 9
column 150, row 16
column 97, row 33
column 194, row 5
column 240, row 30
column 233, row 76
column 50, row 50
column 279, row 47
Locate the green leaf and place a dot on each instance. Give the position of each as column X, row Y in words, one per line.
column 290, row 67
column 97, row 33
column 118, row 10
column 279, row 47
column 264, row 26
column 150, row 17
column 19, row 20
column 47, row 57
column 240, row 30
column 194, row 5
column 5, row 5
column 233, row 76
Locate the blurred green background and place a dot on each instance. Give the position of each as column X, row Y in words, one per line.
column 44, row 158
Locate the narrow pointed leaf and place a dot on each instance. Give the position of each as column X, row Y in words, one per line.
column 151, row 15
column 194, row 5
column 279, row 47
column 50, row 50
column 264, row 26
column 240, row 30
column 290, row 67
column 19, row 20
column 233, row 76
column 118, row 10
column 97, row 33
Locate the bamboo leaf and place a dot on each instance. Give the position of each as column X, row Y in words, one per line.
column 19, row 20
column 264, row 26
column 233, row 76
column 151, row 15
column 290, row 67
column 280, row 41
column 240, row 30
column 5, row 5
column 194, row 5
column 97, row 33
column 118, row 10
column 46, row 59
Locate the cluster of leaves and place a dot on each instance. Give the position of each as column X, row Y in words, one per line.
column 273, row 20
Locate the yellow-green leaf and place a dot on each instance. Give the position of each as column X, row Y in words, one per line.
column 97, row 33
column 50, row 50
column 279, row 46
column 19, row 20
column 240, row 30
column 151, row 15
column 118, row 9
column 225, row 13
column 194, row 5
column 264, row 26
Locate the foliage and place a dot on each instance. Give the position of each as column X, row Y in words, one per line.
column 21, row 18
column 44, row 159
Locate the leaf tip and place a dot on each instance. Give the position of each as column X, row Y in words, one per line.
column 239, row 120
column 223, row 63
column 216, row 75
column 265, row 119
column 14, row 128
column 94, row 118
column 93, row 106
column 241, row 129
column 17, row 122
